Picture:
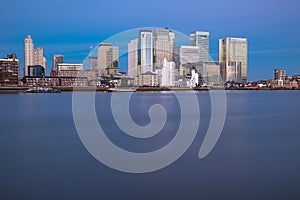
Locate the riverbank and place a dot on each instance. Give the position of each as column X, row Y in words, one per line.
column 17, row 89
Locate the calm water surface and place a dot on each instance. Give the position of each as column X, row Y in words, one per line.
column 257, row 156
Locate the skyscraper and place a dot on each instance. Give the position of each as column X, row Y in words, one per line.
column 201, row 39
column 108, row 56
column 28, row 53
column 231, row 71
column 163, row 46
column 133, row 58
column 186, row 57
column 145, row 51
column 38, row 58
column 235, row 50
column 57, row 59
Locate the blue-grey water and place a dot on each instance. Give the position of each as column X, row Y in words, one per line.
column 256, row 157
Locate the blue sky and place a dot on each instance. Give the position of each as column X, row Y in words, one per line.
column 70, row 27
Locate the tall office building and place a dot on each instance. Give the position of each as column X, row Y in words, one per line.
column 231, row 71
column 186, row 57
column 133, row 58
column 145, row 51
column 163, row 46
column 57, row 59
column 201, row 39
column 38, row 58
column 235, row 50
column 108, row 57
column 28, row 53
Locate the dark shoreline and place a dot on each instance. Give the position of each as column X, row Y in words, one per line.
column 133, row 89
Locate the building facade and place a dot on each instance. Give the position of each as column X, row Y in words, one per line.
column 69, row 70
column 57, row 59
column 168, row 74
column 279, row 74
column 108, row 56
column 133, row 58
column 9, row 71
column 36, row 70
column 235, row 50
column 231, row 71
column 145, row 51
column 201, row 39
column 93, row 63
column 212, row 73
column 186, row 57
column 38, row 57
column 147, row 79
column 28, row 53
column 163, row 46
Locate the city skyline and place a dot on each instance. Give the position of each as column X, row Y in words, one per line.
column 272, row 31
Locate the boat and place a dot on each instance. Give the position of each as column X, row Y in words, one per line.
column 42, row 90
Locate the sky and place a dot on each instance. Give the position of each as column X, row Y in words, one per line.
column 71, row 27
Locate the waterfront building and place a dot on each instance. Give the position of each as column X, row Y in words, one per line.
column 9, row 71
column 36, row 70
column 41, row 81
column 73, row 81
column 28, row 53
column 108, row 57
column 235, row 50
column 133, row 58
column 231, row 71
column 69, row 70
column 211, row 73
column 186, row 58
column 93, row 63
column 57, row 59
column 279, row 74
column 168, row 74
column 163, row 46
column 201, row 39
column 38, row 57
column 145, row 51
column 147, row 79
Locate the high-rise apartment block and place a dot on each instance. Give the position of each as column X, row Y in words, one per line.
column 108, row 57
column 32, row 56
column 28, row 53
column 235, row 50
column 38, row 57
column 201, row 39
